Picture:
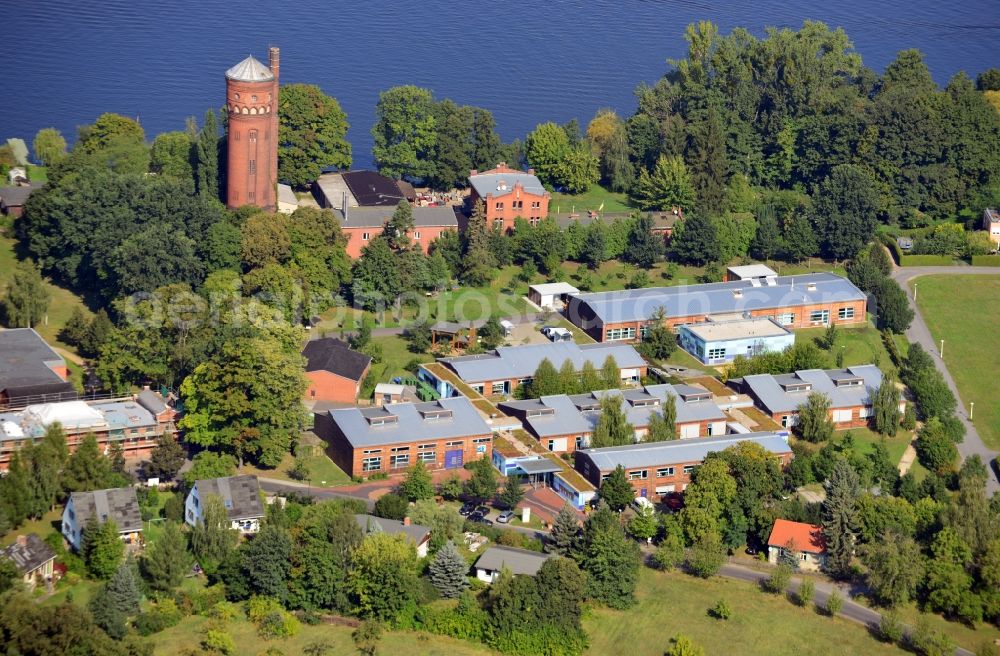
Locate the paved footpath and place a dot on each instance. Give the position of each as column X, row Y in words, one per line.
column 918, row 332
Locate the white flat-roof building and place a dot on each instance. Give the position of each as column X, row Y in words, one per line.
column 550, row 294
column 757, row 272
column 717, row 342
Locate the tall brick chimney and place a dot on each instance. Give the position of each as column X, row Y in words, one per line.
column 274, row 63
column 274, row 60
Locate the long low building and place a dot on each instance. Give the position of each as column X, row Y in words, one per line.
column 134, row 422
column 849, row 390
column 658, row 468
column 444, row 434
column 803, row 301
column 31, row 371
column 565, row 423
column 506, row 368
column 363, row 224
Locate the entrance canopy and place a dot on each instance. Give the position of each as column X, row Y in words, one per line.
column 538, row 466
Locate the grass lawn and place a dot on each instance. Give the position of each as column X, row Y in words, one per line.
column 861, row 345
column 592, row 199
column 395, row 356
column 672, row 603
column 37, row 173
column 50, row 522
column 962, row 310
column 62, row 300
column 188, row 634
column 866, row 439
column 321, row 468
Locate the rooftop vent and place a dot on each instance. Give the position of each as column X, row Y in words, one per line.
column 502, row 186
column 811, row 286
column 770, row 281
column 738, row 293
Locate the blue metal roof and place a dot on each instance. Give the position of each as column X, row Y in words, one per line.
column 513, row 362
column 718, row 297
column 771, row 393
column 413, row 422
column 695, row 449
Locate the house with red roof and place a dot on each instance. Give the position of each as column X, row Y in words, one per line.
column 806, row 541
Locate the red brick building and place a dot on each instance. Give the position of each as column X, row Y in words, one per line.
column 507, row 194
column 443, row 434
column 252, row 133
column 803, row 301
column 658, row 468
column 335, row 371
column 31, row 371
column 363, row 224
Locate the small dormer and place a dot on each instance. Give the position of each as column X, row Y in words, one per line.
column 383, row 420
column 849, row 381
column 644, row 402
column 587, row 403
column 436, row 413
column 691, row 394
column 796, row 386
column 540, row 412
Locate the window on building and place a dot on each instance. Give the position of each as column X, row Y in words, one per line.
column 498, row 223
column 428, row 456
column 714, row 353
column 535, row 205
column 845, row 313
column 534, row 220
column 454, row 443
column 498, row 388
column 253, row 136
column 482, row 440
column 416, row 235
column 688, row 469
column 253, row 166
column 365, row 236
column 371, row 464
column 251, row 196
column 786, row 319
column 499, row 207
column 819, row 316
column 427, row 446
column 787, row 421
column 636, row 475
column 369, row 452
column 617, row 334
column 580, row 442
column 604, row 477
column 399, row 461
column 551, row 445
column 478, row 389
column 664, row 472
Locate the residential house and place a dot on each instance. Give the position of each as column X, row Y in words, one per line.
column 805, row 541
column 33, row 558
column 507, row 194
column 991, row 224
column 720, row 340
column 420, row 536
column 443, row 434
column 564, row 423
column 519, row 562
column 119, row 505
column 849, row 390
column 13, row 199
column 135, row 422
column 239, row 494
column 658, row 468
column 503, row 370
column 30, row 370
column 803, row 301
column 335, row 371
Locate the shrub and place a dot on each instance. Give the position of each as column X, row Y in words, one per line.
column 218, row 642
column 805, row 593
column 834, row 604
column 225, row 611
column 721, row 610
column 259, row 607
column 927, row 642
column 163, row 616
column 890, row 628
column 777, row 582
column 278, row 624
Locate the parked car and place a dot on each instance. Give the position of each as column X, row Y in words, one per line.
column 483, row 510
column 467, row 507
column 478, row 518
column 641, row 503
column 556, row 334
column 505, row 516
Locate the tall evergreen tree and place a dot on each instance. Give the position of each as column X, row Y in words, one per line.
column 616, row 491
column 448, row 572
column 101, row 548
column 644, row 248
column 710, row 165
column 568, row 379
column 124, row 589
column 663, row 424
column 207, row 153
column 48, row 458
column 616, row 166
column 840, row 518
column 166, row 459
column 565, row 530
column 696, row 240
column 167, row 560
column 15, row 488
column 611, row 373
column 511, row 494
column 666, row 187
column 478, row 263
column 590, row 379
column 88, row 468
column 610, row 560
column 798, row 240
column 767, row 240
column 613, row 428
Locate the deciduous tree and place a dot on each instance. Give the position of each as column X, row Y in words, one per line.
column 613, row 428
column 666, row 187
column 405, row 132
column 418, row 484
column 49, row 146
column 27, row 298
column 616, row 491
column 312, row 134
column 814, row 423
column 383, row 579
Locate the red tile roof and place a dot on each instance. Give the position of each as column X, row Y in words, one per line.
column 806, row 537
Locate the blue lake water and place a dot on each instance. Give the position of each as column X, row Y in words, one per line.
column 66, row 61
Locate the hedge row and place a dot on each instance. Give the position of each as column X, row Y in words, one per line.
column 926, row 260
column 986, row 260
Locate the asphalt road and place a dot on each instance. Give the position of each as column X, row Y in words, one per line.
column 918, row 332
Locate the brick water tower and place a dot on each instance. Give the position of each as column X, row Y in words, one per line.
column 252, row 135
